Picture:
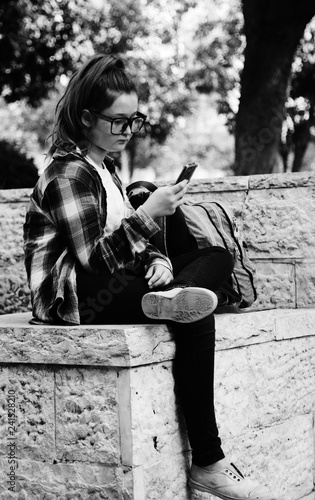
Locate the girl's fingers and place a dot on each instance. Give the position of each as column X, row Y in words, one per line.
column 155, row 277
column 180, row 186
column 155, row 282
column 149, row 273
column 160, row 278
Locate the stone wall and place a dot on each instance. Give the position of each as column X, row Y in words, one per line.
column 276, row 214
column 14, row 291
column 95, row 415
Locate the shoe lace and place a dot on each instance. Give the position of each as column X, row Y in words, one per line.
column 238, row 471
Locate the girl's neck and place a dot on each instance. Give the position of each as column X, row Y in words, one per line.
column 97, row 157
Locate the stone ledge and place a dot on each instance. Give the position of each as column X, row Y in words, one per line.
column 113, row 413
column 95, row 345
column 15, row 195
column 130, row 346
column 206, row 185
column 257, row 327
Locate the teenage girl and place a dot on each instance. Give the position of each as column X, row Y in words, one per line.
column 89, row 259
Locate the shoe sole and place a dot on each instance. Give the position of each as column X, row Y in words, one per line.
column 196, row 486
column 188, row 305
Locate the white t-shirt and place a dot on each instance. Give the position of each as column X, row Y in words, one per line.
column 116, row 208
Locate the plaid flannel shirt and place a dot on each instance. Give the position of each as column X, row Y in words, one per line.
column 64, row 229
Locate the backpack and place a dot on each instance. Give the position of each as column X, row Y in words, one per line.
column 212, row 223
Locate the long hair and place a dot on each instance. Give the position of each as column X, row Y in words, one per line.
column 95, row 87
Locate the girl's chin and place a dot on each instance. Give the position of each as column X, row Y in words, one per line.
column 114, row 148
column 119, row 146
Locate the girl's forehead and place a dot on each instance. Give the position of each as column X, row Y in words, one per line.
column 124, row 104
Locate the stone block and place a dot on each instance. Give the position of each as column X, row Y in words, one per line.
column 14, row 290
column 277, row 181
column 305, row 283
column 232, row 400
column 12, row 217
column 60, row 481
column 234, row 200
column 294, row 324
column 108, row 345
column 87, row 419
column 29, row 391
column 264, row 384
column 275, row 282
column 244, row 328
column 153, row 433
column 152, row 400
column 257, row 327
column 288, row 369
column 280, row 222
column 219, row 185
column 267, row 450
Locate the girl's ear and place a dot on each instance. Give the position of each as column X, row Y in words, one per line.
column 86, row 118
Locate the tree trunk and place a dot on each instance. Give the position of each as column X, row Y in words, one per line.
column 273, row 29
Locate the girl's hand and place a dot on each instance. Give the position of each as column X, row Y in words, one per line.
column 165, row 200
column 158, row 275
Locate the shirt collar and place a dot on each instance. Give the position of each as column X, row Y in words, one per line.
column 62, row 152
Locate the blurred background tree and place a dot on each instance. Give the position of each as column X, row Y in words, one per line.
column 298, row 127
column 265, row 86
column 273, row 32
column 205, row 77
column 42, row 43
column 19, row 170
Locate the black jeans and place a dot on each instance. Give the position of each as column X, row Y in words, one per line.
column 116, row 298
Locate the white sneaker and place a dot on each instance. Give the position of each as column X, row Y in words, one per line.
column 183, row 305
column 228, row 484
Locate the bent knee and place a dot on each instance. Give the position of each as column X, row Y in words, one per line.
column 226, row 258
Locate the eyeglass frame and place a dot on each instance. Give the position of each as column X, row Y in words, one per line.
column 129, row 121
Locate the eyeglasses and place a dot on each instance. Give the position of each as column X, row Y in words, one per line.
column 119, row 125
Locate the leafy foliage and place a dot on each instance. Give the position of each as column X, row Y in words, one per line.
column 174, row 48
column 146, row 33
column 40, row 41
column 43, row 41
column 218, row 56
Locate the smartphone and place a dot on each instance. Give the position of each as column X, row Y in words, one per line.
column 187, row 172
